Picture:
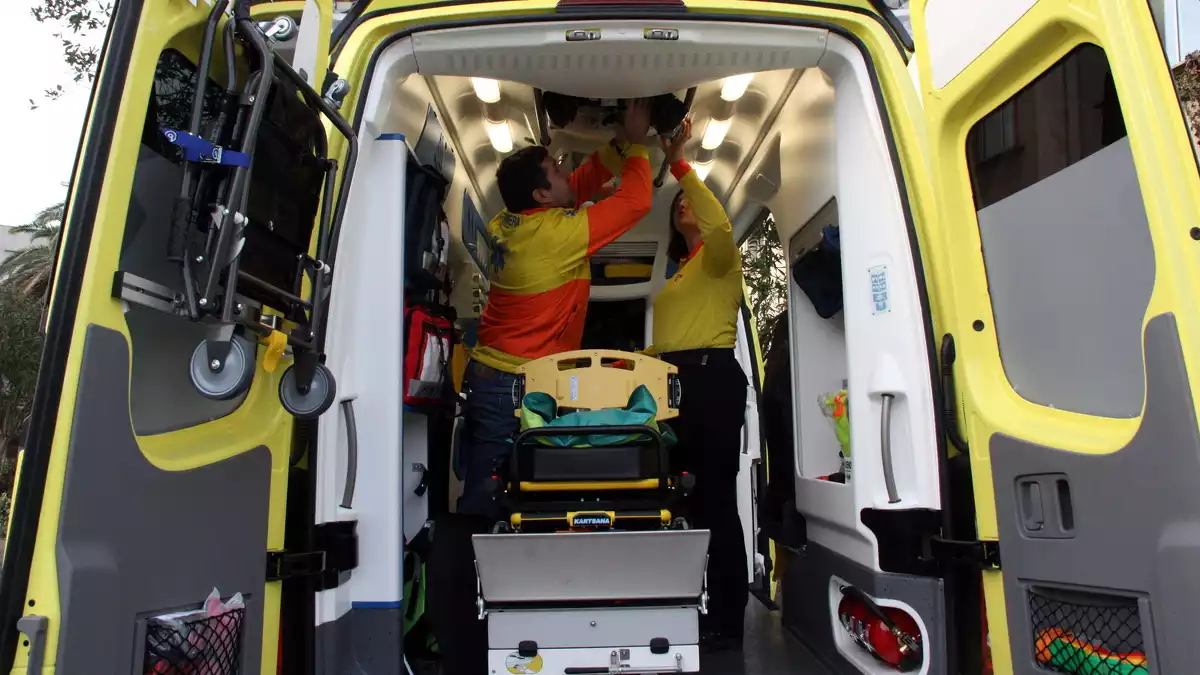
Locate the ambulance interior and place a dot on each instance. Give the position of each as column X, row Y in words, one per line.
column 786, row 123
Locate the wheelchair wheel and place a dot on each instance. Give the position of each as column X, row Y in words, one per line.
column 680, row 524
column 315, row 401
column 501, row 527
column 229, row 379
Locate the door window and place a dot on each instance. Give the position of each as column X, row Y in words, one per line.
column 1060, row 211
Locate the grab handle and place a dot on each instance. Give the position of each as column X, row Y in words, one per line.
column 351, row 454
column 885, row 446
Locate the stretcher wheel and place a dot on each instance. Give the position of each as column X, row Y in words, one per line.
column 308, row 405
column 680, row 524
column 222, row 381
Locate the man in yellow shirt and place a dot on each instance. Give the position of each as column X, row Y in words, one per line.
column 541, row 280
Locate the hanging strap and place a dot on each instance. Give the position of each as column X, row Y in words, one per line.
column 196, row 149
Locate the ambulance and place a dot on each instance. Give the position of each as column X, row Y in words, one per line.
column 232, row 458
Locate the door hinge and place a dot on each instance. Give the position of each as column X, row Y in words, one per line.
column 982, row 554
column 335, row 553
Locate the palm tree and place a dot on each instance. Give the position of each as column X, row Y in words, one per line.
column 28, row 269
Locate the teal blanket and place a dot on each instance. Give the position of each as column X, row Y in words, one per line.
column 540, row 410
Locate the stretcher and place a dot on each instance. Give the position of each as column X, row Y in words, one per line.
column 594, row 449
column 594, row 571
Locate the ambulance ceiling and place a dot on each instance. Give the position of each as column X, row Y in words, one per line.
column 486, row 124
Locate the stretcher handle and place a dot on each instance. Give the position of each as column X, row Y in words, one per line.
column 597, row 357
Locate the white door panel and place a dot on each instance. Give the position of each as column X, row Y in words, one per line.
column 363, row 351
column 958, row 32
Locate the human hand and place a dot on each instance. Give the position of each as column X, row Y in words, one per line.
column 673, row 147
column 637, row 121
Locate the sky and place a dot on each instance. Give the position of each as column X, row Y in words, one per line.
column 41, row 143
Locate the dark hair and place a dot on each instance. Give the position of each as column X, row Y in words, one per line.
column 519, row 175
column 677, row 246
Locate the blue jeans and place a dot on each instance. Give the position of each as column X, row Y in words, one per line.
column 489, row 424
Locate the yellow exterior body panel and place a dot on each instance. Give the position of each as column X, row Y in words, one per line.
column 259, row 420
column 955, row 271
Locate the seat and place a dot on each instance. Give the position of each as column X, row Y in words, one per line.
column 593, row 449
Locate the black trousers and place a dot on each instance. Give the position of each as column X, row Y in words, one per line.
column 712, row 411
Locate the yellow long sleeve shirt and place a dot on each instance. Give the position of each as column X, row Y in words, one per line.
column 698, row 307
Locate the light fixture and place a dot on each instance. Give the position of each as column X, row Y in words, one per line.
column 702, row 169
column 500, row 136
column 733, row 87
column 487, row 90
column 714, row 133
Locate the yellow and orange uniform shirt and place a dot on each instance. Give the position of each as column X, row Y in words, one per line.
column 540, row 278
column 698, row 307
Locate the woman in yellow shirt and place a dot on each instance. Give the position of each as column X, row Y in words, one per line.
column 695, row 328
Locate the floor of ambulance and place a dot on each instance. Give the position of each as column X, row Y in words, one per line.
column 768, row 649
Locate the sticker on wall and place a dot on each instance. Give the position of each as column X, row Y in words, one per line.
column 881, row 302
column 523, row 664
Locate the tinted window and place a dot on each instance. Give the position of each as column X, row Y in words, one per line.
column 1064, row 116
column 1066, row 243
column 171, row 101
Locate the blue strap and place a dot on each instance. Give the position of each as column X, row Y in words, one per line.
column 196, row 149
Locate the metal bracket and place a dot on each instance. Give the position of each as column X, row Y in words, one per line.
column 336, row 93
column 336, row 552
column 981, row 554
column 285, row 565
column 34, row 628
column 139, row 291
column 282, row 29
column 423, row 485
column 479, row 603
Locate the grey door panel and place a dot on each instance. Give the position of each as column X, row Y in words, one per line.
column 134, row 540
column 1127, row 569
column 807, row 614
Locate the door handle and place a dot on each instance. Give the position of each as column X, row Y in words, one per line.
column 885, row 447
column 1032, row 512
column 351, row 454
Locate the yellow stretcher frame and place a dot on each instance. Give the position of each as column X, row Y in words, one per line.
column 599, row 384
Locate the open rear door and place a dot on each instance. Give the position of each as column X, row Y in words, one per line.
column 1067, row 200
column 137, row 495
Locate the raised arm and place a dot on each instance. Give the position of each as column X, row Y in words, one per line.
column 720, row 250
column 599, row 168
column 613, row 216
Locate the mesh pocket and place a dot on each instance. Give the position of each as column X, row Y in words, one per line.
column 1087, row 633
column 196, row 645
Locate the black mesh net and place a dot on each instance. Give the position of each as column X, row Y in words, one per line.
column 1087, row 634
column 195, row 646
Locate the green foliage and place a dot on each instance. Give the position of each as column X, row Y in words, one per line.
column 20, row 353
column 766, row 276
column 80, row 24
column 1187, row 85
column 29, row 269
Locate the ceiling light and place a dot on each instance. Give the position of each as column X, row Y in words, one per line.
column 733, row 87
column 500, row 136
column 487, row 90
column 714, row 133
column 702, row 169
